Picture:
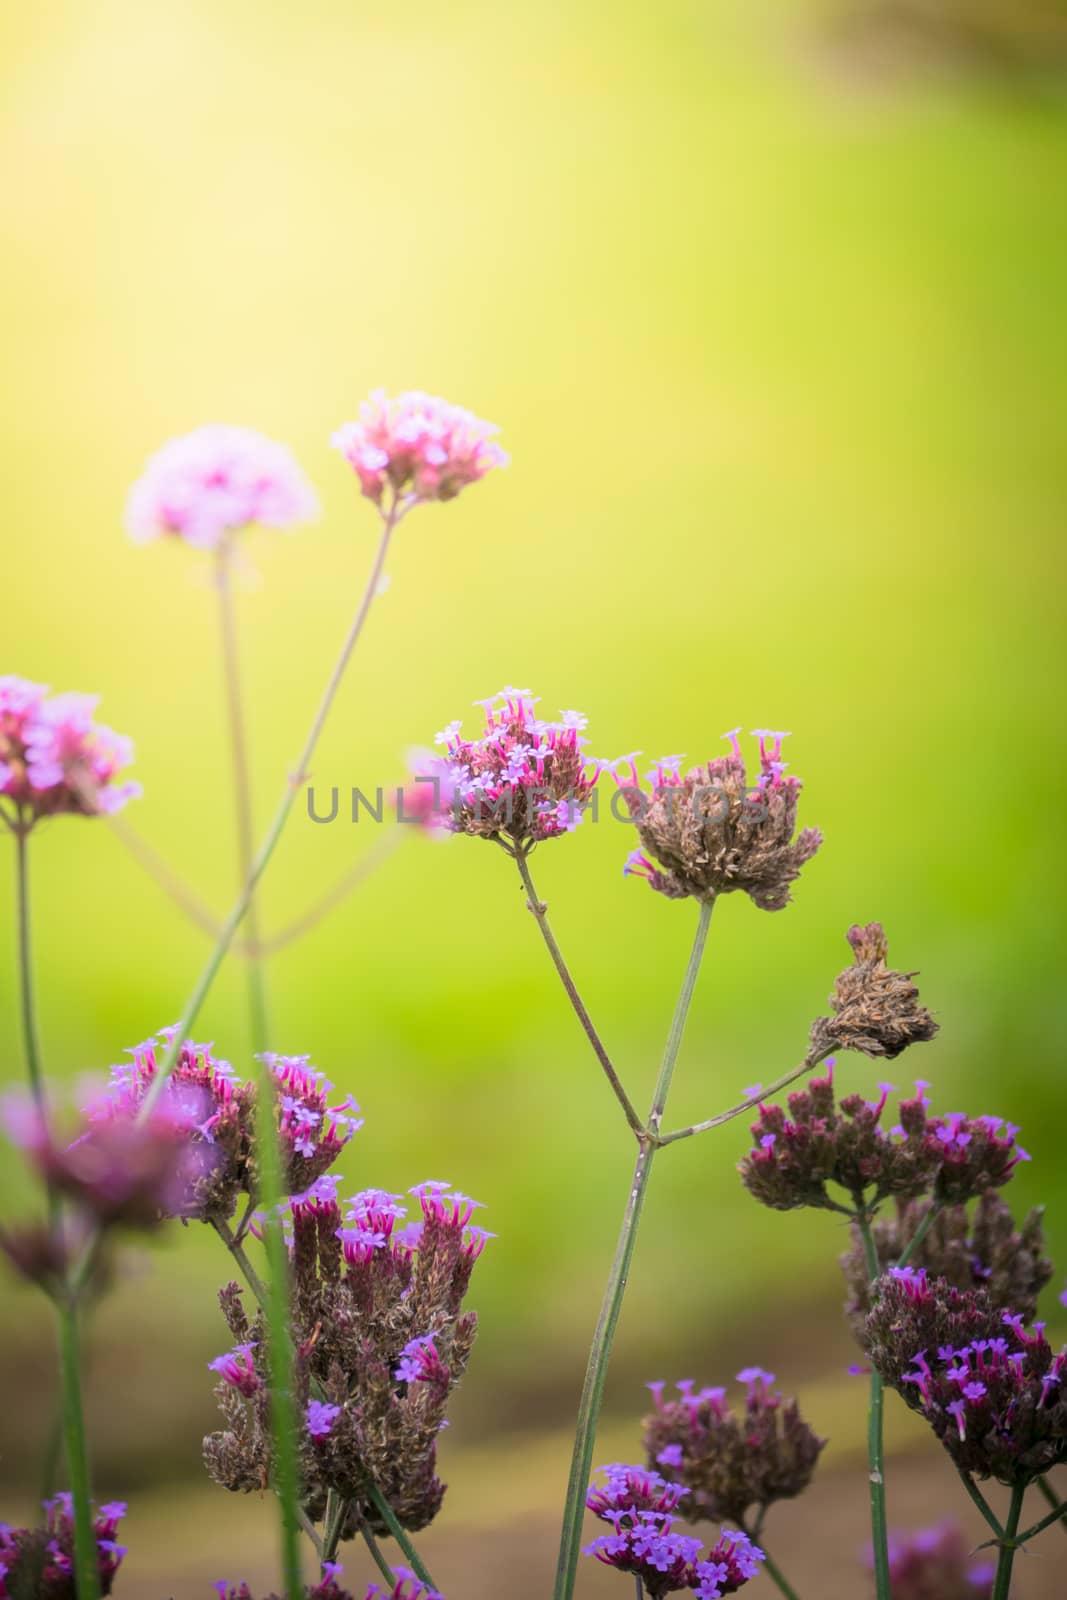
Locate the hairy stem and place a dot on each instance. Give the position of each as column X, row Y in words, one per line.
column 540, row 911
column 1053, row 1499
column 162, row 874
column 920, row 1233
column 31, row 1042
column 604, row 1336
column 388, row 1516
column 1002, row 1581
column 810, row 1061
column 390, row 520
column 982, row 1504
column 777, row 1576
column 86, row 1562
column 242, row 793
column 875, row 1445
column 1055, row 1515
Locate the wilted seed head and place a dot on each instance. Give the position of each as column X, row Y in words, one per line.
column 55, row 759
column 876, row 1010
column 992, row 1391
column 417, row 445
column 726, row 1463
column 936, row 1564
column 712, row 832
column 991, row 1254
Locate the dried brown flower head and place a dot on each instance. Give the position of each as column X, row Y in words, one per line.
column 876, row 1010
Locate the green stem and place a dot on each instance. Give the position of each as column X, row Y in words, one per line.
column 233, row 921
column 776, row 1575
column 1053, row 1500
column 242, row 792
column 540, row 911
column 604, row 1336
column 1055, row 1515
column 30, row 1038
column 875, row 1444
column 984, row 1508
column 86, row 1563
column 920, row 1233
column 280, row 1353
column 388, row 1516
column 809, row 1063
column 271, row 1176
column 1002, row 1581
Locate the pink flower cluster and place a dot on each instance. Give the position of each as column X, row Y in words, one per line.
column 54, row 758
column 217, row 479
column 524, row 778
column 420, row 446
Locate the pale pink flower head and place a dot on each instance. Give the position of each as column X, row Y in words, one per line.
column 212, row 482
column 54, row 758
column 420, row 446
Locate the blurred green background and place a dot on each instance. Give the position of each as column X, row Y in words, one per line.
column 781, row 360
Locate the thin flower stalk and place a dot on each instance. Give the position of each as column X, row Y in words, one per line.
column 390, row 521
column 540, row 912
column 750, row 1103
column 242, row 791
column 875, row 1441
column 86, row 1570
column 1053, row 1499
column 607, row 1322
column 1006, row 1560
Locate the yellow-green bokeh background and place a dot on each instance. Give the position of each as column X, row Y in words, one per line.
column 781, row 362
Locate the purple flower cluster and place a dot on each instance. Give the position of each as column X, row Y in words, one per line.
column 712, row 831
column 820, row 1141
column 207, row 484
column 726, row 1463
column 406, row 1587
column 992, row 1390
column 40, row 1560
column 523, row 779
column 55, row 759
column 935, row 1564
column 221, row 1110
column 381, row 1339
column 640, row 1507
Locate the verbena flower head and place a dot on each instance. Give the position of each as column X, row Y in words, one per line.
column 876, row 1010
column 417, row 446
column 523, row 779
column 991, row 1390
column 55, row 759
column 987, row 1252
column 222, row 1109
column 39, row 1561
column 726, row 1462
column 212, row 482
column 638, row 1505
column 935, row 1564
column 821, row 1141
column 380, row 1332
column 713, row 831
